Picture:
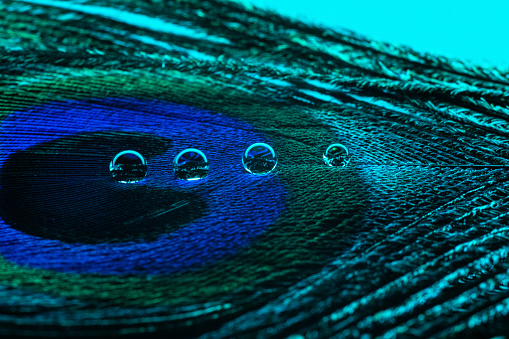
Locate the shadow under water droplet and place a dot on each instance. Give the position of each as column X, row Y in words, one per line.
column 62, row 190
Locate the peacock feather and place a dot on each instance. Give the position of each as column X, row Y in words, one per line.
column 409, row 239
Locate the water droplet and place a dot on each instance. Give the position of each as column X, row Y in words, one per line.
column 259, row 159
column 336, row 155
column 128, row 167
column 191, row 164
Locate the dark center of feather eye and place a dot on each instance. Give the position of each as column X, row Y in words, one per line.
column 62, row 190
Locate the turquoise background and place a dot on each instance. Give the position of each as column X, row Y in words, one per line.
column 475, row 31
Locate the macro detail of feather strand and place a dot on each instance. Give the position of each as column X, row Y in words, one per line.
column 410, row 239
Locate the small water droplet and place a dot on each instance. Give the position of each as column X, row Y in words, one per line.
column 259, row 159
column 191, row 164
column 336, row 155
column 128, row 167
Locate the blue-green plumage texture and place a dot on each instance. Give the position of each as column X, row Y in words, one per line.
column 409, row 239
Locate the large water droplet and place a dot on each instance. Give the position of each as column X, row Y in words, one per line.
column 128, row 167
column 191, row 164
column 336, row 155
column 259, row 159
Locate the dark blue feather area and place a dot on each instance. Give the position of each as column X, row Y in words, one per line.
column 160, row 225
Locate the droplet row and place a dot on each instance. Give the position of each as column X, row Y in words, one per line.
column 192, row 164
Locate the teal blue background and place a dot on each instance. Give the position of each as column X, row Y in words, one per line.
column 475, row 31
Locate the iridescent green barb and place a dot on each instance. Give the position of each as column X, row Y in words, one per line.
column 409, row 238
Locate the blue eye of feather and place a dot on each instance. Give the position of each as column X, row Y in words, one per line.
column 61, row 207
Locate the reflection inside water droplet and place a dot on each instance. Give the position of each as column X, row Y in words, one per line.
column 128, row 167
column 191, row 164
column 336, row 155
column 259, row 159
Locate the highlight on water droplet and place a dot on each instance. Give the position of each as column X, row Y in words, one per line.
column 128, row 167
column 336, row 155
column 191, row 164
column 259, row 159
